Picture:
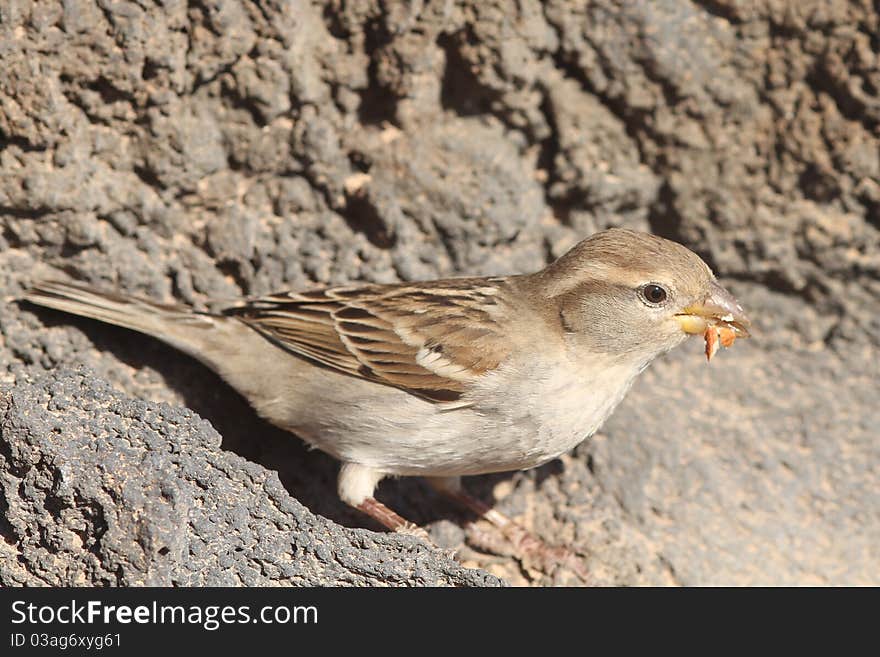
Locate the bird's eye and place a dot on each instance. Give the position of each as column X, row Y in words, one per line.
column 654, row 294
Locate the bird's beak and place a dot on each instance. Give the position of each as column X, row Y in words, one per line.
column 720, row 307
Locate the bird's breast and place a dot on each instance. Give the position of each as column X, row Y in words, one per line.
column 543, row 409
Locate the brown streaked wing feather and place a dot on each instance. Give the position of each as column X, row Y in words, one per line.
column 429, row 339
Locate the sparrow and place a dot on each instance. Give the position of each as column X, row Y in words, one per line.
column 444, row 378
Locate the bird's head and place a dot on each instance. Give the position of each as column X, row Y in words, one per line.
column 636, row 295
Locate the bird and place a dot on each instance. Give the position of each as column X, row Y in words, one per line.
column 445, row 378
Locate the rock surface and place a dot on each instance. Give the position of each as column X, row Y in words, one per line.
column 208, row 150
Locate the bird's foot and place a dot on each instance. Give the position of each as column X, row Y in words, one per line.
column 535, row 556
column 390, row 519
column 512, row 539
column 412, row 529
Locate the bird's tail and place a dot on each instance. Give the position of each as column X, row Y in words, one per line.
column 176, row 325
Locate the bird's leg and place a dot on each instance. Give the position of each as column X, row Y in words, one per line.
column 520, row 537
column 356, row 485
column 528, row 547
column 381, row 514
column 389, row 518
column 451, row 487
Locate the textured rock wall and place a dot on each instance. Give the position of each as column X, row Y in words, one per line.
column 206, row 150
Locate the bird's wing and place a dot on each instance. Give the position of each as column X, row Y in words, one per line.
column 429, row 339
